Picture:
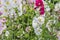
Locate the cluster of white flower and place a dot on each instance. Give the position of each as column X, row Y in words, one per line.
column 37, row 24
column 7, row 7
column 57, row 6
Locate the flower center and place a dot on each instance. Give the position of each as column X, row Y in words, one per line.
column 7, row 3
column 39, row 19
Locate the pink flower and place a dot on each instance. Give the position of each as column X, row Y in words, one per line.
column 2, row 27
column 0, row 5
column 3, row 20
column 39, row 3
column 1, row 13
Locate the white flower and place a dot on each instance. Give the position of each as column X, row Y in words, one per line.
column 37, row 24
column 5, row 11
column 38, row 31
column 57, row 7
column 37, row 21
column 47, row 8
column 7, row 33
column 41, row 20
column 11, row 11
column 2, row 8
column 9, row 5
column 34, row 23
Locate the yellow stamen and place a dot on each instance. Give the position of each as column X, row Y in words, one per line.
column 7, row 3
column 39, row 19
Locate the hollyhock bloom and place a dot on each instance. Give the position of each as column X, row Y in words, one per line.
column 4, row 10
column 38, row 21
column 38, row 31
column 41, row 20
column 34, row 23
column 37, row 24
column 3, row 20
column 39, row 3
column 57, row 7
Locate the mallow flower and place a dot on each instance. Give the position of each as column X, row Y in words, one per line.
column 57, row 6
column 40, row 4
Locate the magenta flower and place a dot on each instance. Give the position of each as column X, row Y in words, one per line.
column 39, row 3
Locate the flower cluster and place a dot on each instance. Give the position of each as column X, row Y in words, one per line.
column 8, row 6
column 37, row 24
column 30, row 25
